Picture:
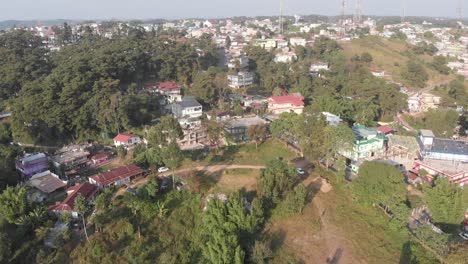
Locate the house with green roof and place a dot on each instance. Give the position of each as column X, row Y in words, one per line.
column 368, row 145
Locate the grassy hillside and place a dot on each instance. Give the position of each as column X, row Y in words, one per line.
column 390, row 56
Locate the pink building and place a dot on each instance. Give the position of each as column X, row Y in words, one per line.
column 286, row 104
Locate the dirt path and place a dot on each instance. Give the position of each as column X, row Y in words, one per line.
column 337, row 248
column 313, row 235
column 208, row 168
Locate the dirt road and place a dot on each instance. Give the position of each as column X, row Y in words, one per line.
column 208, row 168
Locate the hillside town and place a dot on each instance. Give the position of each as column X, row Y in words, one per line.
column 224, row 91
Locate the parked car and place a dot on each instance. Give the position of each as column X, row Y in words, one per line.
column 166, row 182
column 463, row 235
column 300, row 171
column 180, row 185
column 131, row 190
column 163, row 169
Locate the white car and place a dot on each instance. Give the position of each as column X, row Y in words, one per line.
column 163, row 169
column 300, row 171
column 463, row 235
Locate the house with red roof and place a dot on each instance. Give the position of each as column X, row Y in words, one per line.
column 116, row 177
column 126, row 140
column 293, row 103
column 99, row 158
column 87, row 190
column 386, row 130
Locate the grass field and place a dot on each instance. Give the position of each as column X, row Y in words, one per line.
column 233, row 180
column 244, row 154
column 334, row 227
column 390, row 56
column 271, row 149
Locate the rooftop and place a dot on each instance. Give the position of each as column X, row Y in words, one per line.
column 87, row 190
column 188, row 102
column 32, row 158
column 124, row 137
column 446, row 166
column 117, row 174
column 426, row 133
column 450, row 145
column 46, row 182
column 363, row 131
column 287, row 99
column 246, row 122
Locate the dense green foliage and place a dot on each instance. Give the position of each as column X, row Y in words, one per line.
column 87, row 89
column 447, row 203
column 442, row 122
column 380, row 183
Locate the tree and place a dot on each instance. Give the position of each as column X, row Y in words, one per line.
column 14, row 204
column 339, row 137
column 222, row 244
column 261, row 252
column 81, row 207
column 312, row 137
column 121, row 152
column 257, row 133
column 415, row 74
column 295, row 200
column 276, row 180
column 228, row 42
column 213, row 128
column 203, row 88
column 172, row 157
column 366, row 57
column 446, row 202
column 380, row 183
column 439, row 63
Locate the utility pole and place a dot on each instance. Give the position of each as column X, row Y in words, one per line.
column 358, row 12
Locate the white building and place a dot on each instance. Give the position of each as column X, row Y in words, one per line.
column 126, row 140
column 285, row 56
column 241, row 79
column 332, row 120
column 315, row 68
column 298, row 42
column 242, row 62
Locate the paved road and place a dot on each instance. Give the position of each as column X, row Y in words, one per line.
column 208, row 168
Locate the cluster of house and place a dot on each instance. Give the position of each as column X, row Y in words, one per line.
column 49, row 176
column 443, row 39
column 424, row 156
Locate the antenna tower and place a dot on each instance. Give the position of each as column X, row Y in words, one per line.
column 343, row 11
column 460, row 10
column 358, row 12
column 403, row 11
column 281, row 17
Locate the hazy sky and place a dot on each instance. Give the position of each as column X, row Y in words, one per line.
column 128, row 9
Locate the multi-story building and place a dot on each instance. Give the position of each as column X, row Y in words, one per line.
column 188, row 108
column 69, row 158
column 240, row 79
column 28, row 165
column 368, row 145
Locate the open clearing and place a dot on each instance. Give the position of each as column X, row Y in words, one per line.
column 389, row 55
